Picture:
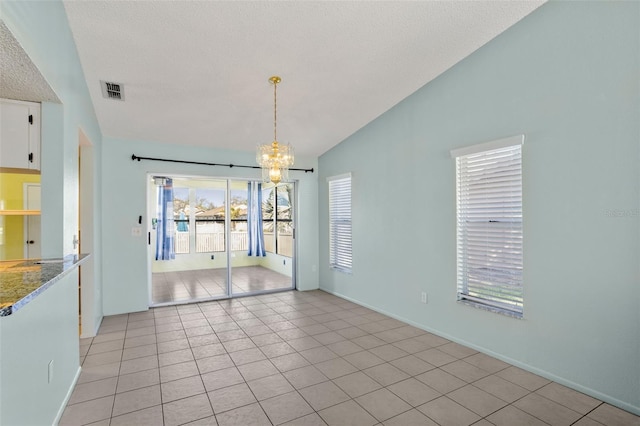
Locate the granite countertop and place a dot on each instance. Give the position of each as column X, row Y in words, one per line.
column 23, row 280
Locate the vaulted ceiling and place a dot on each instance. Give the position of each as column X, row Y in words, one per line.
column 196, row 72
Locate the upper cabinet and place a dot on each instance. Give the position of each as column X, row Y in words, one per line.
column 19, row 134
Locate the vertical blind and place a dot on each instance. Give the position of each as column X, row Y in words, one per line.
column 340, row 222
column 489, row 228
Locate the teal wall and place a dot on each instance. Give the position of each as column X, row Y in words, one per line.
column 33, row 337
column 567, row 77
column 124, row 199
column 42, row 29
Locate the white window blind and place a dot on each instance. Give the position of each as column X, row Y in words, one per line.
column 340, row 222
column 489, row 227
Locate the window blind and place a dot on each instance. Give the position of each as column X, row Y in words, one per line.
column 489, row 229
column 340, row 255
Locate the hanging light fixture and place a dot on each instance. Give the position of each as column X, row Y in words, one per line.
column 274, row 158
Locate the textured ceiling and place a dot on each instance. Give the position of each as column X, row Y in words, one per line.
column 20, row 79
column 196, row 72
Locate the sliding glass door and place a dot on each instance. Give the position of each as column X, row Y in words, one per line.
column 261, row 266
column 189, row 259
column 217, row 238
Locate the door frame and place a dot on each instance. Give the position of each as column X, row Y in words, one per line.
column 90, row 290
column 28, row 219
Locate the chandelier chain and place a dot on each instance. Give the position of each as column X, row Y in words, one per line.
column 275, row 106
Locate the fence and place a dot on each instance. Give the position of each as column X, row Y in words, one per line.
column 214, row 242
column 210, row 242
column 285, row 243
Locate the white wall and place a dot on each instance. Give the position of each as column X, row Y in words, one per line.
column 124, row 199
column 196, row 261
column 277, row 262
column 567, row 77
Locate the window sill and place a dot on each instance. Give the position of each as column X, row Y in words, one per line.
column 505, row 312
column 343, row 270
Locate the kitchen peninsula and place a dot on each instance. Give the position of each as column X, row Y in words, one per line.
column 39, row 356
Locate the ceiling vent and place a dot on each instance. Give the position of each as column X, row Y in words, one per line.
column 112, row 90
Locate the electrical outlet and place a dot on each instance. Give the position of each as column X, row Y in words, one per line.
column 136, row 231
column 423, row 297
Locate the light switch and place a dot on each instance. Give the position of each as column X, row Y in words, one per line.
column 50, row 372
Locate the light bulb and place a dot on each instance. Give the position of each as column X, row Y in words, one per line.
column 274, row 175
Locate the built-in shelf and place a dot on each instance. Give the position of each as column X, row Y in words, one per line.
column 19, row 212
column 14, row 170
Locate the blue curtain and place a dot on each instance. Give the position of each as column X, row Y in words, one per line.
column 182, row 224
column 165, row 229
column 254, row 220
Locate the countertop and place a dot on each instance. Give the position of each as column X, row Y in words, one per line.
column 23, row 280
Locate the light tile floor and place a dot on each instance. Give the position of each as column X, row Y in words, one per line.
column 305, row 358
column 201, row 284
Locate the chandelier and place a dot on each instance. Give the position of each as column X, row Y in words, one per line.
column 274, row 158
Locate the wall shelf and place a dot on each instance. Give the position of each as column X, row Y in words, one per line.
column 19, row 212
column 19, row 171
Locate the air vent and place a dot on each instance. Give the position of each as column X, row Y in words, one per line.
column 112, row 90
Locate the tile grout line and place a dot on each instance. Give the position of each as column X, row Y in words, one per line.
column 590, row 411
column 115, row 391
column 158, row 357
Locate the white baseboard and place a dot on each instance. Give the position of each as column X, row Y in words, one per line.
column 67, row 397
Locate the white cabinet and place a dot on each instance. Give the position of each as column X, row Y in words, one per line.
column 19, row 134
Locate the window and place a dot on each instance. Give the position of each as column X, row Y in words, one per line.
column 181, row 219
column 209, row 215
column 340, row 222
column 277, row 222
column 489, row 225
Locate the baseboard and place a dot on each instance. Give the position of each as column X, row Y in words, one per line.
column 67, row 397
column 550, row 376
column 98, row 324
column 96, row 327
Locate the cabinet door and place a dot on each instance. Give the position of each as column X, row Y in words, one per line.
column 34, row 137
column 19, row 135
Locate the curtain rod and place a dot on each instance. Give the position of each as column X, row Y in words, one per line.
column 135, row 157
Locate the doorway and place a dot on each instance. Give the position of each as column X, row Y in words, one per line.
column 90, row 310
column 213, row 238
column 32, row 248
